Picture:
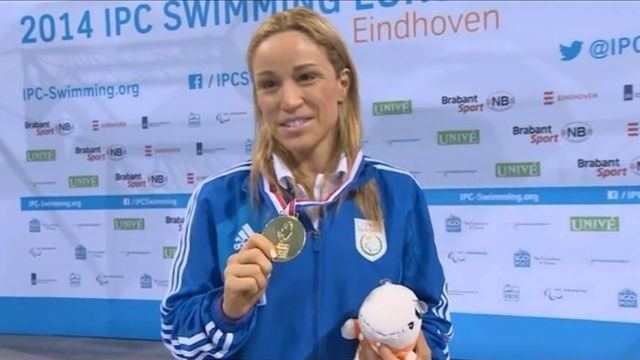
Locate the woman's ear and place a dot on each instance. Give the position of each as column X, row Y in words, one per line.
column 344, row 82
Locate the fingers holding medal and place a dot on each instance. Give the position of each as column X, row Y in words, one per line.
column 246, row 276
column 247, row 272
column 287, row 235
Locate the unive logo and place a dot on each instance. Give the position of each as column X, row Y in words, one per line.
column 195, row 81
column 34, row 225
column 518, row 169
column 81, row 252
column 572, row 51
column 169, row 252
column 41, row 155
column 458, row 137
column 595, row 223
column 75, row 280
column 627, row 298
column 553, row 294
column 146, row 281
column 83, row 181
column 398, row 107
column 511, row 293
column 500, row 101
column 128, row 224
column 521, row 258
column 453, row 224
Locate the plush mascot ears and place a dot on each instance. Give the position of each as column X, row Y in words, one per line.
column 421, row 308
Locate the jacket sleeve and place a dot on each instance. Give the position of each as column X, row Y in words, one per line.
column 193, row 325
column 423, row 274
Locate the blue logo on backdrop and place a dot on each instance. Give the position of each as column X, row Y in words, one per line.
column 194, row 120
column 199, row 148
column 81, row 252
column 572, row 51
column 145, row 122
column 553, row 294
column 34, row 225
column 627, row 298
column 511, row 293
column 248, row 146
column 74, row 279
column 34, row 279
column 146, row 281
column 453, row 224
column 195, row 81
column 627, row 91
column 456, row 256
column 521, row 258
column 102, row 280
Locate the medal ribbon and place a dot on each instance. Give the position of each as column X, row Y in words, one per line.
column 287, row 208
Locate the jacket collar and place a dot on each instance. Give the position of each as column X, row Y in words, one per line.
column 354, row 179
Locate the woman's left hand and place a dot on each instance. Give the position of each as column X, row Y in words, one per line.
column 366, row 351
column 422, row 348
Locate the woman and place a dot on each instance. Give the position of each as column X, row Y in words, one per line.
column 364, row 220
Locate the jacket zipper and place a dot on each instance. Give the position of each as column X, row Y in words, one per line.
column 315, row 234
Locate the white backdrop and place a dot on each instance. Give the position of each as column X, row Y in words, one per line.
column 520, row 120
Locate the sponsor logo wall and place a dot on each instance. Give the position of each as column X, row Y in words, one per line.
column 529, row 158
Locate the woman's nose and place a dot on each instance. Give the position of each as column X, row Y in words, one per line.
column 291, row 97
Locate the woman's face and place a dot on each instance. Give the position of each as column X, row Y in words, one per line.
column 298, row 92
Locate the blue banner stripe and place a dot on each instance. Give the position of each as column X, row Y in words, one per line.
column 512, row 337
column 588, row 195
column 104, row 202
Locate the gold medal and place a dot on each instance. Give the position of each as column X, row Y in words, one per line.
column 287, row 234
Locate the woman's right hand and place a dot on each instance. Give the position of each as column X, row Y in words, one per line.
column 247, row 275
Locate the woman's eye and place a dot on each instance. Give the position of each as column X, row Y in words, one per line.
column 307, row 77
column 267, row 84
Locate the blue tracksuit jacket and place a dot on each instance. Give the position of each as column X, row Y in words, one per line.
column 310, row 297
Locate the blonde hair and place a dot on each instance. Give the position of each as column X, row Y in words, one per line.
column 349, row 125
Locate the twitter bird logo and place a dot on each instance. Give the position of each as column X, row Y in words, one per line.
column 570, row 52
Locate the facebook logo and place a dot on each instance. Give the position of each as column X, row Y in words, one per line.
column 195, row 81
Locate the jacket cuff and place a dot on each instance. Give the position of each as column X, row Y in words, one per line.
column 229, row 324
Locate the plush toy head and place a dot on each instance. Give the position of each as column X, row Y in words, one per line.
column 392, row 315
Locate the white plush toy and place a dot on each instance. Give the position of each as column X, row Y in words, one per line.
column 390, row 315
